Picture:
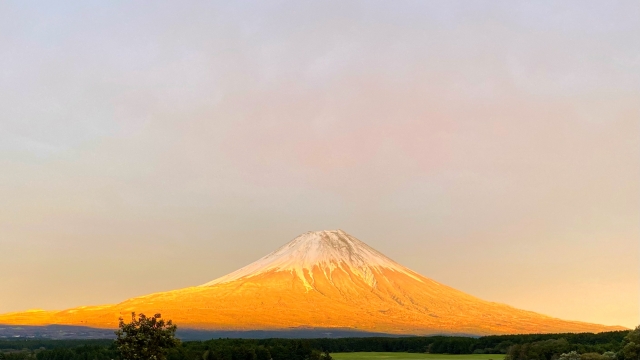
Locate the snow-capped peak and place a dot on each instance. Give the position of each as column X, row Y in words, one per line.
column 328, row 250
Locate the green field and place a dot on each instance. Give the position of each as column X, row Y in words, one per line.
column 411, row 356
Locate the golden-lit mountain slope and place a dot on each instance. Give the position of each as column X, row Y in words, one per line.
column 321, row 279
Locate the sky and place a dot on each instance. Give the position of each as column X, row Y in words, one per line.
column 493, row 146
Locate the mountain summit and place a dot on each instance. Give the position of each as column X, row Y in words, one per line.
column 326, row 251
column 321, row 279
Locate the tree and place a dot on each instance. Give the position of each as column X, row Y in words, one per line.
column 145, row 338
column 593, row 356
column 262, row 353
column 571, row 355
column 631, row 348
column 317, row 355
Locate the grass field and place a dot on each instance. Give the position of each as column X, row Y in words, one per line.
column 411, row 356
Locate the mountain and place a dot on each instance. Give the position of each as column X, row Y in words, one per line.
column 321, row 279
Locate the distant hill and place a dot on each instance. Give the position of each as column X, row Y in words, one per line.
column 53, row 332
column 320, row 280
column 62, row 332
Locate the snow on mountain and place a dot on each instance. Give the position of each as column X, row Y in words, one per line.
column 328, row 250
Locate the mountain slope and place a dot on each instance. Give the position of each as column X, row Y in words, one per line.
column 324, row 279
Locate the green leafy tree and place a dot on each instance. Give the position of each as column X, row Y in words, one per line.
column 317, row 355
column 145, row 338
column 571, row 355
column 609, row 355
column 593, row 356
column 262, row 353
column 631, row 348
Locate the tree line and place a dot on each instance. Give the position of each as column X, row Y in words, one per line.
column 616, row 345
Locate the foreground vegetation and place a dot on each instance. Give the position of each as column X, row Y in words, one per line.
column 412, row 356
column 619, row 345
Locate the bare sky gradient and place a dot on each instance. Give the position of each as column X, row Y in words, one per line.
column 493, row 146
